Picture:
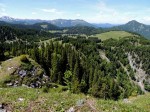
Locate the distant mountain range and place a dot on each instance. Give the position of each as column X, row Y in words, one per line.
column 69, row 23
column 104, row 25
column 131, row 26
column 36, row 26
column 56, row 22
column 20, row 21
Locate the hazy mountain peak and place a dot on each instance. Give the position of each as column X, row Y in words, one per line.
column 135, row 26
column 134, row 22
column 6, row 18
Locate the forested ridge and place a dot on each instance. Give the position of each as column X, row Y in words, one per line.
column 77, row 63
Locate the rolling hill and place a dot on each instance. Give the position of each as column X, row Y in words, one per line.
column 81, row 30
column 29, row 99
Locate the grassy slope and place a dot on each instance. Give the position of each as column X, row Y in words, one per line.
column 113, row 34
column 9, row 66
column 35, row 99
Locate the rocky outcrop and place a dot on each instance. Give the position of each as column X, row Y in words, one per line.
column 26, row 73
column 140, row 74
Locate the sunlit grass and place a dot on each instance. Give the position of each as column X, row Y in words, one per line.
column 113, row 34
column 56, row 100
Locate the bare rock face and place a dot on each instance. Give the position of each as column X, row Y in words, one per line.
column 140, row 74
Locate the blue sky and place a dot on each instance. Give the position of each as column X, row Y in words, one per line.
column 95, row 11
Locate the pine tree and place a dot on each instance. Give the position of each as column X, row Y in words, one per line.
column 90, row 77
column 75, row 81
column 2, row 56
column 54, row 69
column 67, row 79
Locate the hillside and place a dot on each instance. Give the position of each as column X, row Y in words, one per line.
column 113, row 35
column 89, row 69
column 82, row 30
column 56, row 58
column 29, row 99
column 134, row 26
column 74, row 56
column 12, row 33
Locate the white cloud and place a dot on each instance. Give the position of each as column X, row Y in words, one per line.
column 51, row 11
column 105, row 13
column 2, row 5
column 34, row 13
column 146, row 19
column 2, row 10
column 78, row 15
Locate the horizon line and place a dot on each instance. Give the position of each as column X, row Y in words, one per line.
column 72, row 19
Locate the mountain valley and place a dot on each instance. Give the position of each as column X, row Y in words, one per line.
column 71, row 65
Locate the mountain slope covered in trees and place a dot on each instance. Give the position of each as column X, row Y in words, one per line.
column 109, row 69
column 77, row 64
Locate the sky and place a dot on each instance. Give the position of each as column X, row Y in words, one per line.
column 93, row 11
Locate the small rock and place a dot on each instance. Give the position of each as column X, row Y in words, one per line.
column 3, row 110
column 32, row 85
column 9, row 84
column 16, row 82
column 9, row 68
column 1, row 106
column 20, row 99
column 15, row 85
column 22, row 73
column 126, row 100
column 71, row 110
column 80, row 102
column 43, row 82
column 24, row 85
column 44, row 75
